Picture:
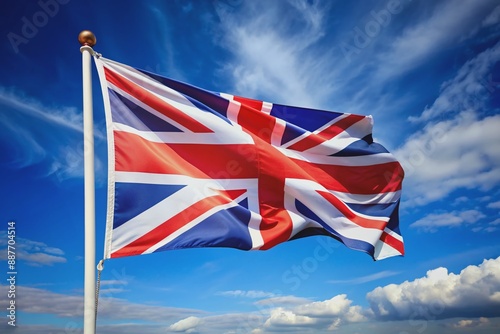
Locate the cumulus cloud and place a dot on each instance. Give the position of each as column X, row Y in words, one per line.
column 336, row 306
column 474, row 292
column 315, row 316
column 339, row 308
column 452, row 154
column 285, row 318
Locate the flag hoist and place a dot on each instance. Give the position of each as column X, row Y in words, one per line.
column 87, row 41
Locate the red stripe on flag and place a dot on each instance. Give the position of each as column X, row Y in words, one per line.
column 229, row 161
column 253, row 120
column 393, row 242
column 173, row 224
column 346, row 212
column 136, row 154
column 372, row 179
column 155, row 102
column 256, row 122
column 255, row 104
column 276, row 225
column 333, row 130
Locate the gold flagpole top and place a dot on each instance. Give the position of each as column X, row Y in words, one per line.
column 87, row 38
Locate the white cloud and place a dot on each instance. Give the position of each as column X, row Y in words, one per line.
column 470, row 323
column 433, row 221
column 68, row 118
column 246, row 294
column 367, row 278
column 284, row 318
column 458, row 152
column 449, row 155
column 39, row 259
column 495, row 222
column 112, row 286
column 313, row 317
column 440, row 294
column 283, row 301
column 447, row 24
column 40, row 134
column 333, row 307
column 468, row 90
column 34, row 253
column 40, row 301
column 187, row 325
column 493, row 18
column 274, row 59
column 338, row 307
column 492, row 226
column 113, row 282
column 494, row 205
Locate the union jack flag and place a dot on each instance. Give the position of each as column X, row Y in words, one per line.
column 193, row 168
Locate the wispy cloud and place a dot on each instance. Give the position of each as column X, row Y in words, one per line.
column 432, row 222
column 447, row 24
column 166, row 45
column 274, row 59
column 367, row 278
column 40, row 301
column 65, row 117
column 39, row 135
column 253, row 294
column 112, row 286
column 34, row 253
column 470, row 89
column 283, row 301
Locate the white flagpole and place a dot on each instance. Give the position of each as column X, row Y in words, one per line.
column 88, row 40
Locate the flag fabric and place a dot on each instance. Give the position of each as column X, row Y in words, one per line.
column 193, row 168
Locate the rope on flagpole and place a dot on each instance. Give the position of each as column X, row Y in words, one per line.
column 100, row 267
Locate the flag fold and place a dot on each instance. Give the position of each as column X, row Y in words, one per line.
column 194, row 168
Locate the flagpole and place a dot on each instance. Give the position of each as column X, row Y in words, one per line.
column 87, row 40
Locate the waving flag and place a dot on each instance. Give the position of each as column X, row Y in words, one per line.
column 193, row 168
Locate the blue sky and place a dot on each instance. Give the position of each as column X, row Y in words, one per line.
column 429, row 73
